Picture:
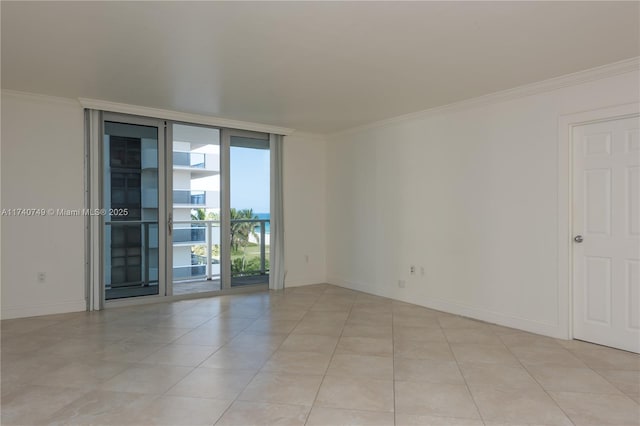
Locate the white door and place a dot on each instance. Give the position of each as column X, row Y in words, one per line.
column 606, row 229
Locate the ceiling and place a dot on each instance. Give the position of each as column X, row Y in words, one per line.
column 312, row 66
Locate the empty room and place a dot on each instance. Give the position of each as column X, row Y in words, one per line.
column 320, row 213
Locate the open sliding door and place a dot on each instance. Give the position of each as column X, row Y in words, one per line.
column 194, row 255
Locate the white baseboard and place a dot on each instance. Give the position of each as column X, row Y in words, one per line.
column 304, row 283
column 456, row 308
column 9, row 312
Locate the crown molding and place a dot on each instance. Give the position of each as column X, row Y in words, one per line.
column 573, row 79
column 181, row 116
column 40, row 97
column 149, row 112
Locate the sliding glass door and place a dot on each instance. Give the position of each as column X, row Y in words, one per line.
column 220, row 210
column 186, row 208
column 132, row 195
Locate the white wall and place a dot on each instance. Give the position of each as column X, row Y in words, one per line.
column 468, row 193
column 42, row 167
column 304, row 209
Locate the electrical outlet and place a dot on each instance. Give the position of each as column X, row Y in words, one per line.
column 401, row 283
column 42, row 277
column 412, row 270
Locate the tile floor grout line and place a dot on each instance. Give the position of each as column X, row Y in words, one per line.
column 604, row 377
column 204, row 360
column 330, row 360
column 257, row 371
column 466, row 384
column 612, row 384
column 539, row 384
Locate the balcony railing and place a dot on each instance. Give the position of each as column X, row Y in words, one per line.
column 194, row 198
column 246, row 261
column 189, row 159
column 196, row 234
column 132, row 259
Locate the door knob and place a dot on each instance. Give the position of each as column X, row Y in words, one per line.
column 578, row 238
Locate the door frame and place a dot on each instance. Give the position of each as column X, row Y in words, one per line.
column 566, row 125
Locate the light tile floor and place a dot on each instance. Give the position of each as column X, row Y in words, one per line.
column 315, row 355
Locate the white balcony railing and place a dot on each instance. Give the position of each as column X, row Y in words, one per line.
column 205, row 233
column 196, row 198
column 196, row 160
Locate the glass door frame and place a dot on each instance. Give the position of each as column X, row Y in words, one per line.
column 162, row 211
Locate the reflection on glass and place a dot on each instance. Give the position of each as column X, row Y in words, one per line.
column 131, row 194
